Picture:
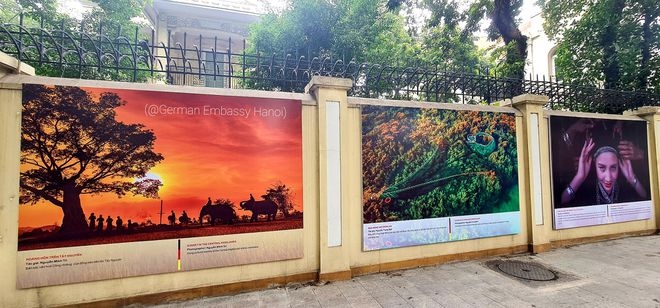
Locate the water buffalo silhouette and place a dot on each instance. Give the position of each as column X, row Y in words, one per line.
column 265, row 207
column 223, row 213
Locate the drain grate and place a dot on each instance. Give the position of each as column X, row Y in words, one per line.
column 526, row 270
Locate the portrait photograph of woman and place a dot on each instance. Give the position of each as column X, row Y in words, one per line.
column 600, row 171
column 598, row 161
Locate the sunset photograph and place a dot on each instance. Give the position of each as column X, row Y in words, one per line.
column 113, row 165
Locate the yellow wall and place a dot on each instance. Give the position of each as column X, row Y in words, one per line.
column 327, row 262
column 10, row 110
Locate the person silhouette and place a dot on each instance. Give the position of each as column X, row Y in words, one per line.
column 108, row 221
column 172, row 218
column 92, row 221
column 120, row 223
column 130, row 225
column 251, row 197
column 99, row 225
column 208, row 202
column 184, row 218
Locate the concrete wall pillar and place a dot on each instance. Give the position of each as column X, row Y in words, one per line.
column 652, row 116
column 11, row 65
column 332, row 99
column 534, row 151
column 10, row 153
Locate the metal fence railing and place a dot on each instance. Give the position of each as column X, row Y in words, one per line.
column 198, row 61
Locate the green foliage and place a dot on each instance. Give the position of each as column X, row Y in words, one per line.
column 113, row 14
column 408, row 147
column 448, row 47
column 113, row 18
column 452, row 25
column 341, row 30
column 304, row 25
column 509, row 61
column 613, row 43
column 349, row 29
column 118, row 11
column 34, row 12
column 446, row 42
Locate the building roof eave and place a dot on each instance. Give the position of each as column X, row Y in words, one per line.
column 208, row 8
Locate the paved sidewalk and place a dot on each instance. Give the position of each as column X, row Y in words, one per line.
column 616, row 273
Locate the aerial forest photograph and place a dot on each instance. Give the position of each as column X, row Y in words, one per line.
column 420, row 163
column 101, row 166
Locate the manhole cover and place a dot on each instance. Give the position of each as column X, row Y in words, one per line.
column 526, row 270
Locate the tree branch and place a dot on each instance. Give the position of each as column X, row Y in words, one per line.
column 41, row 194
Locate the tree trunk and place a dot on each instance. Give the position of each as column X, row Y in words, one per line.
column 611, row 66
column 74, row 221
column 504, row 21
column 645, row 49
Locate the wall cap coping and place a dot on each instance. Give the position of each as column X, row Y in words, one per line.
column 58, row 81
column 9, row 64
column 328, row 82
column 643, row 111
column 529, row 99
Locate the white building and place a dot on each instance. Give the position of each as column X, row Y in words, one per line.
column 540, row 50
column 223, row 19
column 217, row 28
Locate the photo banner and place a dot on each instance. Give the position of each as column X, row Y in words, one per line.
column 117, row 183
column 434, row 175
column 600, row 171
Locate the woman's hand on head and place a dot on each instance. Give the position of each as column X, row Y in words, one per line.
column 627, row 171
column 584, row 164
column 625, row 165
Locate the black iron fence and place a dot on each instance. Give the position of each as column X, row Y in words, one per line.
column 200, row 61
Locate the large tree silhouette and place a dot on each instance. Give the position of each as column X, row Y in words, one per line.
column 71, row 144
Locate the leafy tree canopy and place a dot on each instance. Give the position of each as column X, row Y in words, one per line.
column 113, row 13
column 362, row 29
column 34, row 11
column 452, row 25
column 446, row 43
column 613, row 43
column 379, row 32
column 113, row 17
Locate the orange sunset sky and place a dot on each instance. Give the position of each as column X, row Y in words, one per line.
column 225, row 155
